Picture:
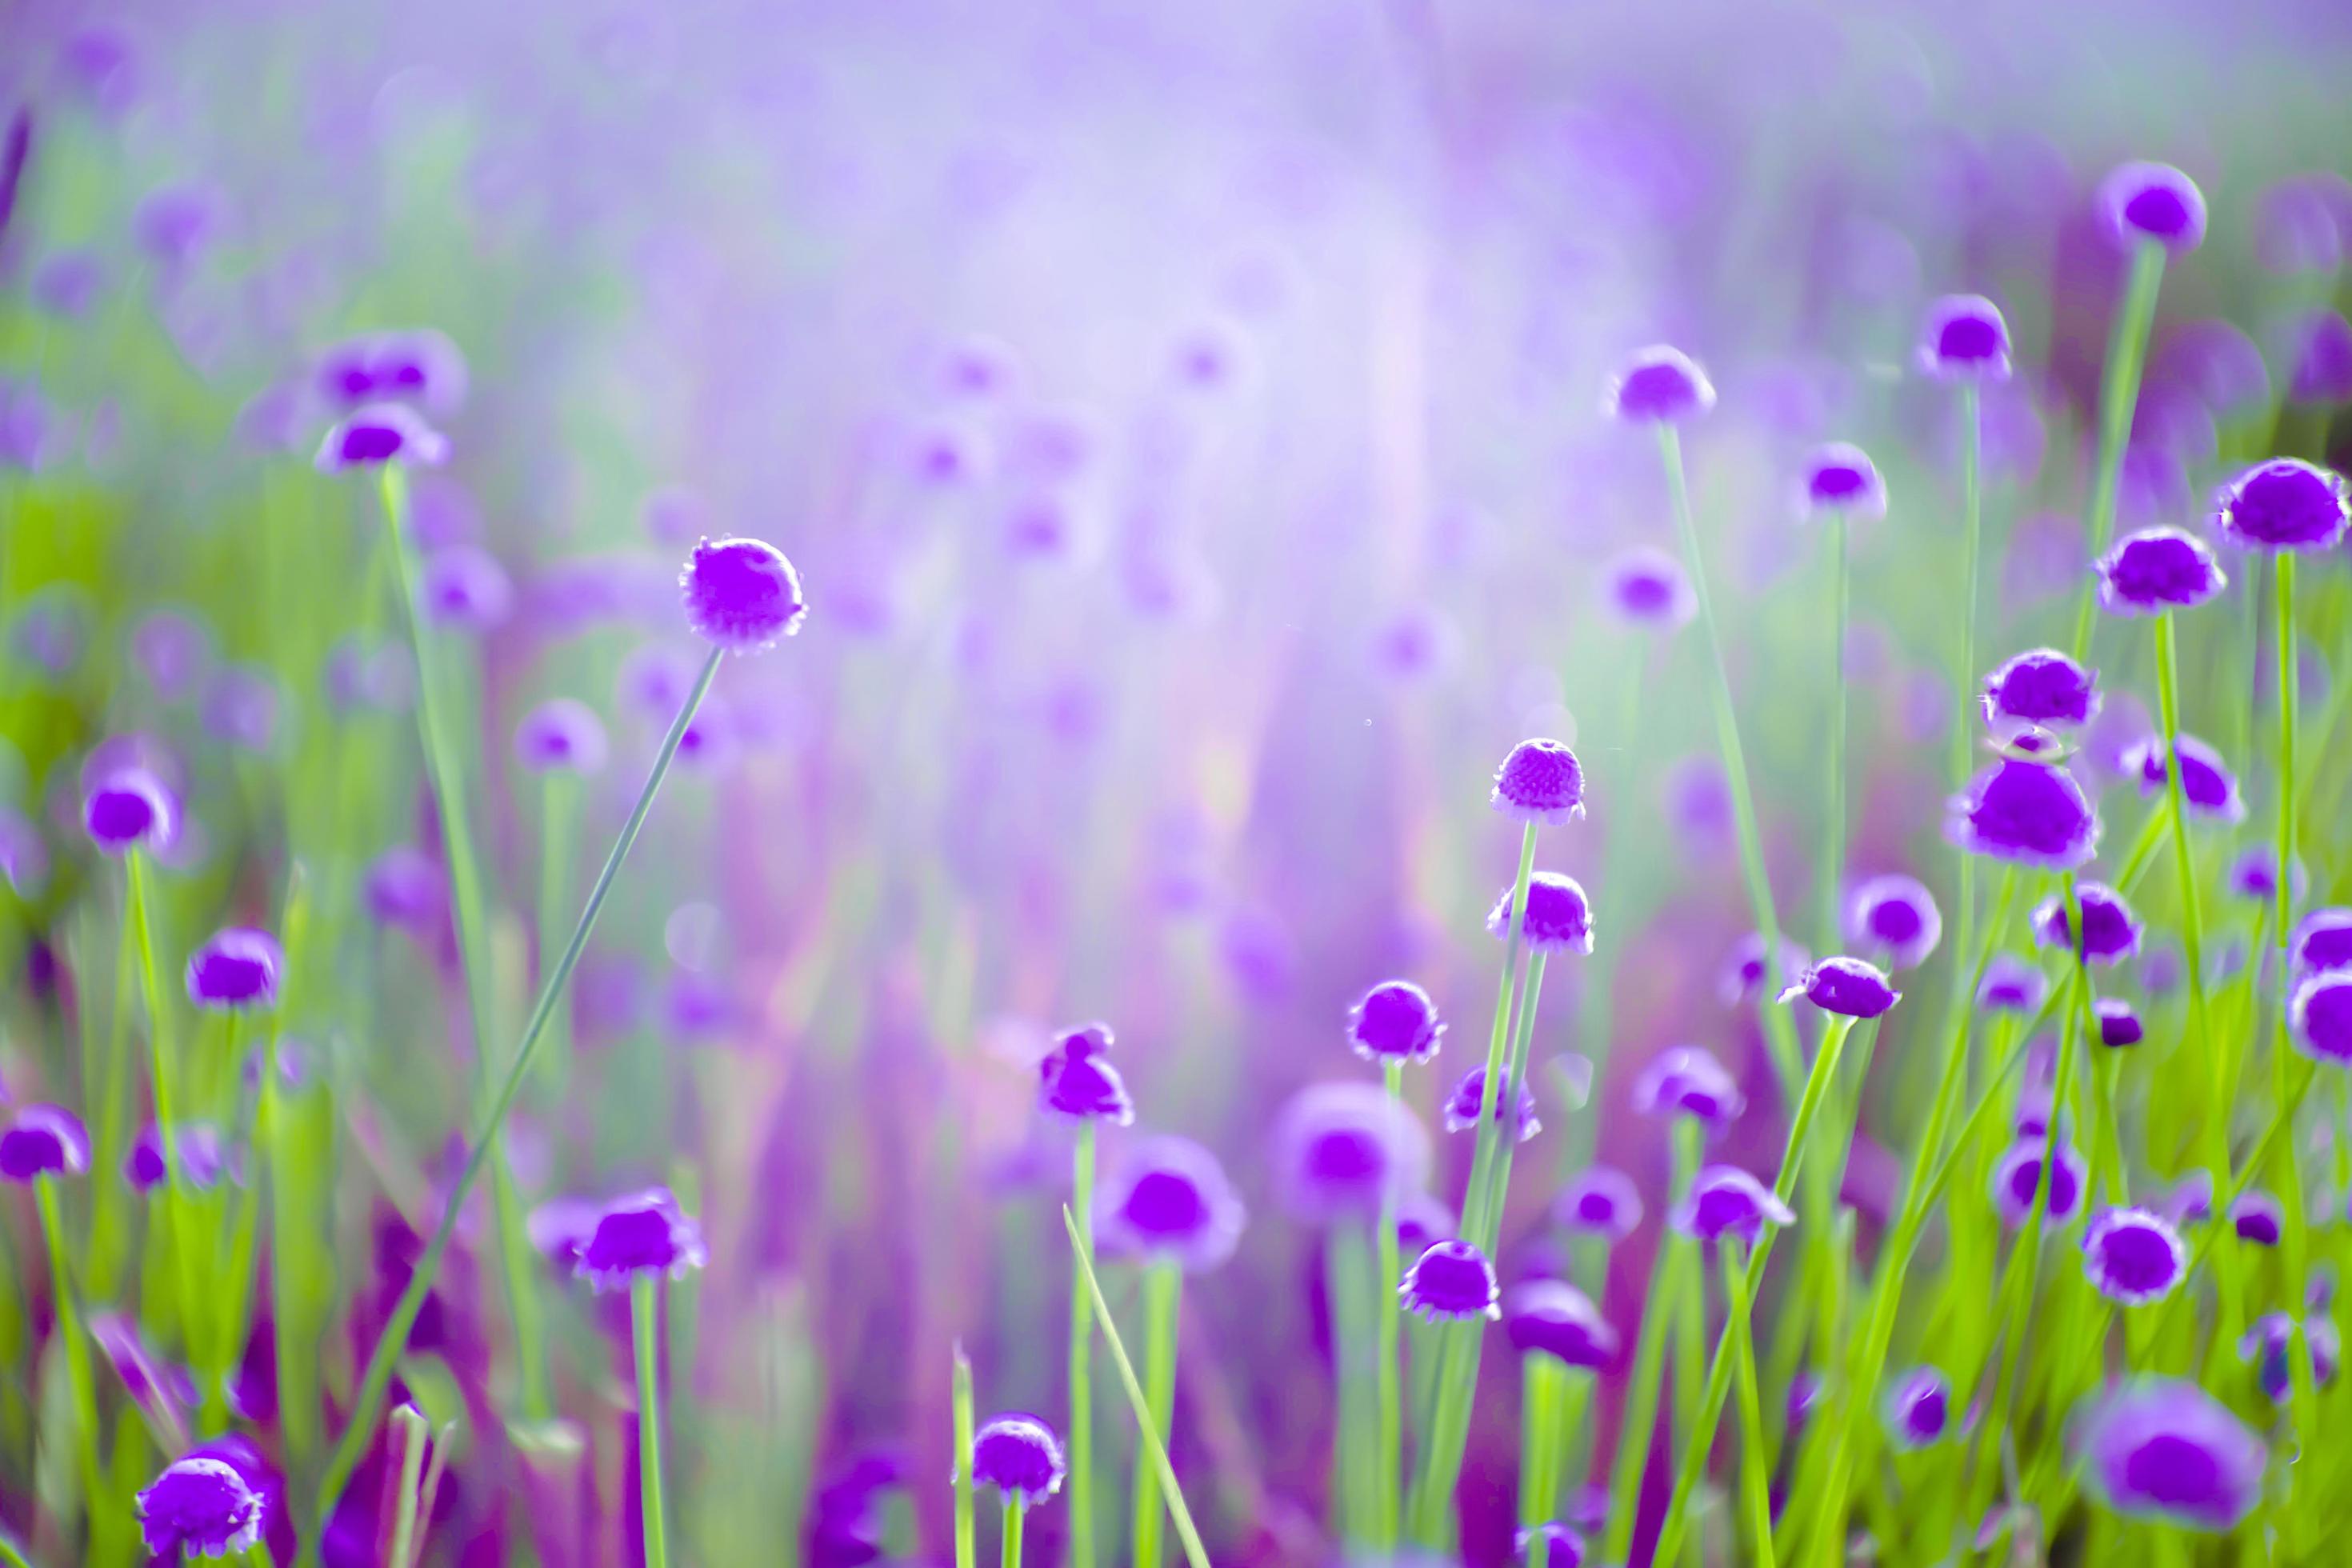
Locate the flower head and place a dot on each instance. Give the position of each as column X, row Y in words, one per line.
column 1660, row 386
column 2041, row 686
column 1395, row 1021
column 2284, row 504
column 1920, row 1408
column 2256, row 1216
column 1896, row 914
column 2111, row 932
column 1169, row 1198
column 2019, row 1174
column 197, row 1145
column 199, row 1507
column 2153, row 201
column 1647, row 587
column 1421, row 1222
column 2134, row 1256
column 1725, row 1200
column 1550, row 1317
column 405, row 888
column 131, row 809
column 1964, row 338
column 2119, row 1024
column 1019, row 1456
column 1558, row 915
column 1841, row 477
column 2205, row 781
column 1599, row 1199
column 2269, row 1344
column 562, row 735
column 1077, row 1082
column 1688, row 1080
column 1338, row 1147
column 741, row 593
column 1452, row 1281
column 2012, row 985
column 2155, row 570
column 1553, row 1545
column 642, row 1232
column 2321, row 1016
column 464, row 586
column 2323, row 940
column 45, row 1140
column 238, row 968
column 2025, row 813
column 1469, row 1094
column 2322, row 346
column 380, row 433
column 2191, row 1201
column 1540, row 781
column 2165, row 1449
column 1744, row 970
column 1844, row 985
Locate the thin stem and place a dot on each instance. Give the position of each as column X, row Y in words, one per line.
column 1541, row 1386
column 1637, row 1423
column 178, row 1244
column 1964, row 732
column 1014, row 1508
column 645, row 1312
column 967, row 1547
column 2118, row 395
column 1386, row 1393
column 2293, row 1250
column 1497, row 1035
column 77, row 1349
column 410, row 1424
column 1080, row 1449
column 1489, row 1233
column 1163, row 1285
column 1833, row 830
column 1755, row 1479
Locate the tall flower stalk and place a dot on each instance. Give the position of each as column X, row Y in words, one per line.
column 644, row 1320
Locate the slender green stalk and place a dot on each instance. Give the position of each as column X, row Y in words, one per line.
column 1637, row 1423
column 2293, row 1250
column 967, row 1543
column 1386, row 1392
column 1015, row 1507
column 645, row 1312
column 1497, row 1036
column 1079, row 1446
column 1488, row 1233
column 1754, row 1464
column 1347, row 1270
column 1833, row 828
column 377, row 1376
column 1965, row 678
column 559, row 820
column 169, row 1203
column 410, row 1423
column 2118, row 395
column 78, row 1383
column 10, row 1555
column 1543, row 1385
column 1163, row 1286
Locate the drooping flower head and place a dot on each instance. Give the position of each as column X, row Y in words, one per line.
column 1725, row 1200
column 380, row 433
column 2119, row 1024
column 1169, row 1198
column 2012, row 985
column 2153, row 201
column 131, row 809
column 238, row 968
column 2019, row 1172
column 2155, row 570
column 2284, row 504
column 1019, row 1456
column 562, row 734
column 2206, row 782
column 44, row 1141
column 2111, row 932
column 1540, row 781
column 1395, row 1021
column 1847, row 987
column 644, row 1233
column 1550, row 1317
column 1552, row 1545
column 1452, row 1281
column 1600, row 1200
column 2041, row 686
column 2321, row 1016
column 199, row 1507
column 1687, row 1080
column 2257, row 1217
column 1660, row 386
column 2164, row 1450
column 1339, row 1146
column 1469, row 1094
column 2323, row 940
column 741, row 593
column 2133, row 1255
column 1647, row 586
column 2025, row 813
column 1920, row 1408
column 1897, row 915
column 1744, row 969
column 1964, row 338
column 1077, row 1081
column 1558, row 915
column 1839, row 477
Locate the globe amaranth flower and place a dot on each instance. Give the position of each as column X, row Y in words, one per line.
column 131, row 809
column 199, row 1507
column 1075, row 1081
column 2155, row 570
column 2027, row 814
column 380, row 433
column 1469, row 1093
column 2256, row 1216
column 1338, row 1148
column 1019, row 1456
column 644, row 1233
column 2321, row 1016
column 197, row 1145
column 2156, row 202
column 2133, row 1255
column 238, row 968
column 562, row 734
column 2019, row 1172
column 1540, row 781
column 1920, row 1408
column 45, row 1140
column 1847, row 987
column 1395, row 1021
column 2161, row 1448
column 2111, row 932
column 1964, row 338
column 1552, row 1545
column 1660, row 386
column 741, row 593
column 1169, row 1198
column 2119, row 1024
column 1550, row 1317
column 1647, row 587
column 1687, row 1080
column 1839, row 477
column 2041, row 686
column 1558, row 915
column 1896, row 914
column 2323, row 940
column 2206, row 783
column 1600, row 1200
column 1744, row 970
column 2284, row 504
column 1451, row 1281
column 1725, row 1200
column 2012, row 985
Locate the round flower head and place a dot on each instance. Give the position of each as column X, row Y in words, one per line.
column 2269, row 1344
column 1019, row 1456
column 380, row 433
column 1725, row 1200
column 2284, row 504
column 1396, row 1021
column 1339, row 1147
column 405, row 888
column 2153, row 201
column 2256, row 1216
column 2012, row 985
column 45, row 1140
column 1660, row 386
column 239, row 967
column 2155, row 570
column 1451, row 1280
column 1647, row 587
column 2019, row 1171
column 1688, row 1080
column 1744, row 971
column 198, row 1146
column 2323, row 940
column 1841, row 477
column 1551, row 1317
column 641, row 1234
column 2025, row 813
column 1599, row 1199
column 1169, row 1198
column 2164, row 1450
column 2321, row 1016
column 1421, row 1223
column 1469, row 1094
column 1558, row 915
column 1076, row 1081
column 2118, row 1025
column 1846, row 986
column 2205, row 783
column 562, row 734
column 1553, row 1545
column 2133, row 1255
column 2111, row 931
column 1897, row 914
column 741, row 593
column 464, row 586
column 131, row 809
column 2191, row 1201
column 1920, row 1408
column 1540, row 781
column 1964, row 338
column 2041, row 686
column 199, row 1507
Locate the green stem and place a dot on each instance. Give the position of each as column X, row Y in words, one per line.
column 78, row 1383
column 1542, row 1382
column 1964, row 729
column 1386, row 1393
column 2294, row 1251
column 2118, row 395
column 1497, row 1036
column 1080, row 1449
column 645, row 1312
column 1834, row 832
column 1013, row 1510
column 1637, row 1423
column 1347, row 1272
column 411, row 1426
column 1163, row 1285
column 967, row 1545
column 1489, row 1232
column 1755, row 1479
column 559, row 815
column 169, row 1203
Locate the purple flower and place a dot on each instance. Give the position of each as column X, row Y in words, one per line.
column 1549, row 1317
column 741, row 593
column 171, row 223
column 1659, row 385
column 1421, row 1222
column 1452, row 1281
column 2026, row 813
column 240, row 708
column 1469, row 1094
column 1896, row 914
column 2256, row 1217
column 2165, row 1449
column 2133, row 1255
column 1920, row 1408
column 45, row 1141
column 2323, row 940
column 405, row 888
column 197, row 1145
column 1839, row 477
column 1558, row 914
column 464, row 586
column 381, row 433
column 1553, row 1545
column 199, row 1507
column 2153, row 201
column 1019, row 1456
column 2111, row 932
column 1647, row 587
column 1540, row 781
column 1743, row 971
column 131, row 809
column 562, row 734
column 2191, row 1201
column 1076, row 1081
column 1395, row 1021
column 641, row 1234
column 2019, row 1171
column 1964, row 338
column 2284, row 504
column 1338, row 1147
column 1846, row 986
column 2301, row 224
column 2205, row 783
column 2118, row 1025
column 172, row 649
column 1169, row 1198
column 2012, row 985
column 1725, row 1200
column 2321, row 1016
column 24, row 854
column 2041, row 686
column 559, row 1229
column 2254, row 874
column 1599, row 1199
column 2270, row 1345
column 2322, row 346
column 238, row 968
column 1688, row 1080
column 2155, row 570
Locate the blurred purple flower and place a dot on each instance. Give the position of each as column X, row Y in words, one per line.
column 1451, row 1281
column 2162, row 1449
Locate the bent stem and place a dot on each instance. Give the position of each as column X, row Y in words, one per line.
column 645, row 1312
column 1080, row 1450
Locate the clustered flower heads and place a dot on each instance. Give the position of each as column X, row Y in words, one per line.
column 1744, row 971
column 2323, row 940
column 2320, row 1017
column 1020, row 1456
column 1540, row 781
column 1558, row 915
column 1514, row 1101
column 2119, row 1024
column 1897, row 915
column 2018, row 1175
column 1660, row 386
column 741, row 595
column 2012, row 985
column 2285, row 504
column 1451, row 1281
column 1552, row 1545
column 2165, row 1449
column 1847, row 987
column 1550, row 1317
column 2155, row 570
column 131, row 809
column 562, row 734
column 1395, row 1020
